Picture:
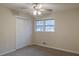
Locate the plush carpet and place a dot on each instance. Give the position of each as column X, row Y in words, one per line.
column 35, row 50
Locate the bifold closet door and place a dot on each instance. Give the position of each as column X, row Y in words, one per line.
column 20, row 39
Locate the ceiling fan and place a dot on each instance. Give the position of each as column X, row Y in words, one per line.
column 38, row 9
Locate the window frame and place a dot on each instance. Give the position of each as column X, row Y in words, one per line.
column 44, row 26
column 35, row 26
column 50, row 25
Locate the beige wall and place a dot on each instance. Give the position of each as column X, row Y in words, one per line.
column 7, row 31
column 66, row 35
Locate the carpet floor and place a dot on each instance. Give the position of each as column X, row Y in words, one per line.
column 39, row 51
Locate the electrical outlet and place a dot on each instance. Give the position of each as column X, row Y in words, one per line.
column 44, row 43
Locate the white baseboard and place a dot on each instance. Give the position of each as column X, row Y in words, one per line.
column 7, row 52
column 12, row 50
column 59, row 49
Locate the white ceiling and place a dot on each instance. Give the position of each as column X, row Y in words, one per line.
column 27, row 7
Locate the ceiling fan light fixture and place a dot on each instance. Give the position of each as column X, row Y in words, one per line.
column 39, row 13
column 36, row 8
column 35, row 12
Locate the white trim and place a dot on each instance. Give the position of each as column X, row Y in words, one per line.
column 11, row 50
column 71, row 51
column 21, row 17
column 7, row 52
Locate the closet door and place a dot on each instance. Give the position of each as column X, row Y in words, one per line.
column 19, row 33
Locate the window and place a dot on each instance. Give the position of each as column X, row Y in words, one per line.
column 39, row 26
column 49, row 25
column 45, row 25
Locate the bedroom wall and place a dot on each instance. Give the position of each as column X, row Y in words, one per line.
column 8, row 31
column 66, row 35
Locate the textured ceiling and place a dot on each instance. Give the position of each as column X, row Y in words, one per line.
column 27, row 7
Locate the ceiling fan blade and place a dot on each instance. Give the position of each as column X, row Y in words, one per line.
column 50, row 10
